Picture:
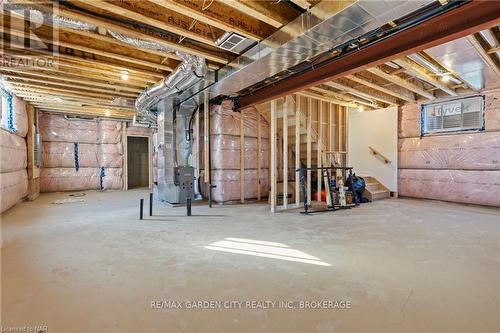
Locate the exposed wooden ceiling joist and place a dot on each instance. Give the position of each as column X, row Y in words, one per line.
column 346, row 85
column 217, row 15
column 420, row 72
column 482, row 47
column 39, row 88
column 61, row 70
column 94, row 49
column 135, row 31
column 274, row 13
column 156, row 16
column 353, row 100
column 302, row 3
column 378, row 86
column 93, row 64
column 449, row 71
column 67, row 96
column 323, row 97
column 401, row 82
column 89, row 113
column 91, row 83
column 46, row 83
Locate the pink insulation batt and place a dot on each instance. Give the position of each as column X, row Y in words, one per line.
column 472, row 151
column 67, row 179
column 99, row 145
column 465, row 186
column 54, row 127
column 228, row 184
column 458, row 167
column 20, row 116
column 13, row 152
column 13, row 187
column 61, row 155
column 225, row 150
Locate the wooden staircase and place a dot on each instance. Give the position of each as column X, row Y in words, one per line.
column 374, row 189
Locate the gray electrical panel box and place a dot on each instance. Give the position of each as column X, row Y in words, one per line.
column 184, row 179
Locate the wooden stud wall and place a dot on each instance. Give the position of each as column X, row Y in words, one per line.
column 304, row 131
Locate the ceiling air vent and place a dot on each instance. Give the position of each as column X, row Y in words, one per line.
column 231, row 42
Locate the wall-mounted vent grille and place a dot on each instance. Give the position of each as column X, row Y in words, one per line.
column 456, row 115
column 230, row 41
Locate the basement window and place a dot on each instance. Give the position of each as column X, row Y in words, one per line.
column 465, row 114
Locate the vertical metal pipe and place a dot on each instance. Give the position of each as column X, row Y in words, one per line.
column 141, row 209
column 188, row 206
column 206, row 105
column 151, row 204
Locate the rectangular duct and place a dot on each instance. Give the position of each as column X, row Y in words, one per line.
column 324, row 26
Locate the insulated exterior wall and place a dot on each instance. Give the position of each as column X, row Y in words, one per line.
column 56, row 128
column 95, row 162
column 13, row 187
column 68, row 179
column 14, row 156
column 13, row 151
column 225, row 153
column 62, row 155
column 459, row 167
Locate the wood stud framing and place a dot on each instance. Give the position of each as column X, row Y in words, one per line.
column 318, row 130
column 242, row 157
column 94, row 61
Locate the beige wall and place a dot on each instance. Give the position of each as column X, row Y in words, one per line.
column 377, row 129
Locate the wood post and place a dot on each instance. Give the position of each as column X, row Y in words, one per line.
column 242, row 157
column 206, row 138
column 33, row 170
column 259, row 150
column 298, row 99
column 319, row 149
column 285, row 151
column 273, row 154
column 309, row 148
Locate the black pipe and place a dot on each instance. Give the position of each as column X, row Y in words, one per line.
column 151, row 204
column 188, row 206
column 141, row 209
column 209, row 195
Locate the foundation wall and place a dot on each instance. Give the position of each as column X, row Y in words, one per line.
column 80, row 154
column 13, row 151
column 459, row 167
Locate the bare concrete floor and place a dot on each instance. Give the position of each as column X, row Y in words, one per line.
column 404, row 265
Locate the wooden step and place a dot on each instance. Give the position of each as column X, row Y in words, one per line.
column 372, row 186
column 374, row 190
column 380, row 194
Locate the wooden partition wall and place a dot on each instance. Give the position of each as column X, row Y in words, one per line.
column 305, row 131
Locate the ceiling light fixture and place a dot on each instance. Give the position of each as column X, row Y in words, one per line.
column 445, row 78
column 124, row 75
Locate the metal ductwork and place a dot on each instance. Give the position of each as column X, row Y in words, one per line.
column 191, row 70
column 176, row 111
column 325, row 26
